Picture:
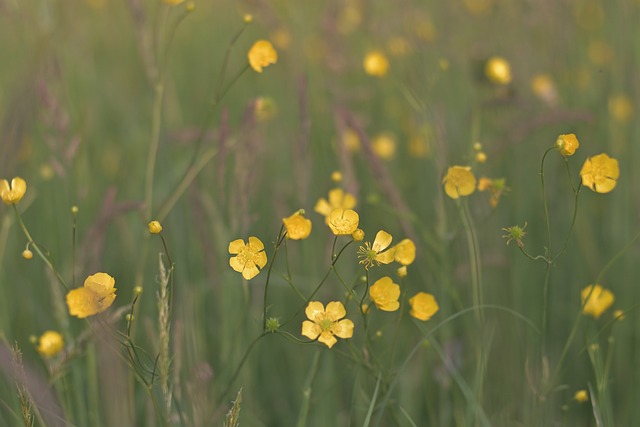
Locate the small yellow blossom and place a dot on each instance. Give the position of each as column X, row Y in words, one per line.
column 543, row 86
column 27, row 254
column 402, row 272
column 376, row 254
column 404, row 252
column 154, row 227
column 423, row 306
column 376, row 64
column 600, row 173
column 247, row 18
column 326, row 325
column 498, row 70
column 495, row 186
column 343, row 222
column 190, row 7
column 97, row 295
column 336, row 176
column 477, row 146
column 459, row 181
column 618, row 314
column 50, row 344
column 384, row 146
column 567, row 144
column 249, row 259
column 599, row 300
column 262, row 54
column 265, row 109
column 74, row 210
column 351, row 140
column 620, row 108
column 298, row 227
column 12, row 194
column 481, row 157
column 338, row 198
column 358, row 235
column 384, row 294
column 581, row 396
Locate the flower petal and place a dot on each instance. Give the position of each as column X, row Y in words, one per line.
column 323, row 207
column 386, row 257
column 255, row 244
column 261, row 259
column 314, row 311
column 405, row 252
column 335, row 311
column 236, row 246
column 82, row 302
column 311, row 330
column 327, row 338
column 336, row 197
column 235, row 263
column 382, row 241
column 250, row 271
column 343, row 329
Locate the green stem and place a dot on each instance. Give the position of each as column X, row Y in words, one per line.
column 476, row 274
column 242, row 361
column 280, row 238
column 544, row 200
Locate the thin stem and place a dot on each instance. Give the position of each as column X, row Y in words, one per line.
column 544, row 200
column 476, row 275
column 242, row 361
column 280, row 238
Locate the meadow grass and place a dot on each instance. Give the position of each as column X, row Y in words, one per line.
column 440, row 119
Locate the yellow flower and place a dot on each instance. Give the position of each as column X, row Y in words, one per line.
column 27, row 254
column 600, row 173
column 154, row 227
column 358, row 235
column 265, row 108
column 12, row 194
column 581, row 396
column 618, row 314
column 404, row 252
column 543, row 86
column 262, row 54
column 351, row 140
column 459, row 181
column 498, row 70
column 402, row 272
column 336, row 176
column 384, row 146
column 372, row 255
column 481, row 157
column 376, row 64
column 50, row 343
column 94, row 297
column 620, row 108
column 423, row 306
column 326, row 325
column 567, row 144
column 298, row 227
column 599, row 300
column 249, row 259
column 495, row 186
column 338, row 198
column 343, row 222
column 384, row 294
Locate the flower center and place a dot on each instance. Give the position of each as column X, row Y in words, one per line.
column 325, row 324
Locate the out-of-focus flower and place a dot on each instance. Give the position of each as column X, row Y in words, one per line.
column 351, row 140
column 298, row 227
column 618, row 314
column 384, row 294
column 596, row 300
column 581, row 396
column 343, row 222
column 402, row 272
column 384, row 146
column 173, row 2
column 371, row 255
column 405, row 252
column 154, row 227
column 262, row 54
column 600, row 173
column 338, row 198
column 97, row 295
column 620, row 108
column 376, row 64
column 481, row 157
column 249, row 259
column 543, row 87
column 498, row 70
column 567, row 144
column 495, row 186
column 12, row 194
column 398, row 46
column 600, row 53
column 50, row 344
column 326, row 325
column 423, row 306
column 336, row 176
column 459, row 181
column 281, row 38
column 265, row 108
column 247, row 18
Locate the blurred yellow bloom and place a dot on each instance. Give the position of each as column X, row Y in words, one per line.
column 154, row 227
column 599, row 300
column 581, row 396
column 495, row 186
column 265, row 108
column 97, row 295
column 404, row 252
column 384, row 294
column 402, row 272
column 423, row 306
column 50, row 344
column 459, row 181
column 372, row 255
column 351, row 140
column 262, row 54
column 249, row 258
column 567, row 144
column 343, row 222
column 12, row 194
column 620, row 108
column 336, row 176
column 618, row 314
column 326, row 325
column 481, row 157
column 338, row 198
column 498, row 70
column 376, row 64
column 543, row 86
column 398, row 46
column 600, row 173
column 247, row 18
column 384, row 146
column 298, row 227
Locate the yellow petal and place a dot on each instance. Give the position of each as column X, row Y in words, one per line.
column 382, row 241
column 323, row 207
column 82, row 302
column 423, row 306
column 405, row 252
column 261, row 259
column 327, row 338
column 310, row 330
column 335, row 198
column 101, row 283
column 343, row 329
column 236, row 246
column 255, row 244
column 349, row 202
column 236, row 264
column 250, row 271
column 386, row 257
column 603, row 184
column 335, row 311
column 314, row 310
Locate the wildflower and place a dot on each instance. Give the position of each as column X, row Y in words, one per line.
column 567, row 144
column 272, row 324
column 94, row 297
column 262, row 54
column 498, row 70
column 27, row 254
column 50, row 344
column 495, row 186
column 358, row 235
column 402, row 272
column 481, row 157
column 515, row 233
column 404, row 252
column 265, row 109
column 336, row 176
column 190, row 7
column 398, row 46
column 384, row 294
column 596, row 300
column 343, row 221
column 326, row 325
column 620, row 108
column 375, row 254
column 423, row 306
column 12, row 194
column 74, row 210
column 581, row 396
column 459, row 181
column 618, row 314
column 247, row 18
column 249, row 259
column 543, row 87
column 376, row 64
column 600, row 173
column 154, row 227
column 298, row 227
column 384, row 146
column 338, row 198
column 351, row 140
column 477, row 146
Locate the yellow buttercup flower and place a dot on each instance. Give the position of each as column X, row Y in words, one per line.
column 620, row 108
column 376, row 64
column 600, row 299
column 298, row 227
column 384, row 146
column 402, row 272
column 567, row 144
column 12, row 194
column 358, row 235
column 50, row 344
column 498, row 70
column 97, row 295
column 326, row 325
column 600, row 173
column 262, row 54
column 459, row 181
column 249, row 259
column 154, row 227
column 481, row 157
column 423, row 306
column 495, row 186
column 338, row 199
column 343, row 222
column 543, row 86
column 384, row 294
column 27, row 254
column 372, row 255
column 405, row 252
column 581, row 396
